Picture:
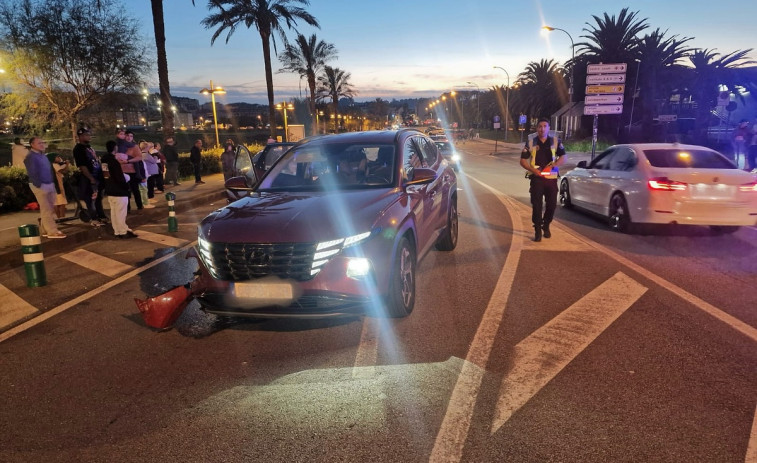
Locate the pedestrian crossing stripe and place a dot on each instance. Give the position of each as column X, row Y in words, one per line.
column 13, row 308
column 161, row 239
column 100, row 264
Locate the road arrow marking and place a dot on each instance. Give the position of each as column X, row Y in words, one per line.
column 541, row 356
column 100, row 264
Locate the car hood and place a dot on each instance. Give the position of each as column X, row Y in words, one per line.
column 297, row 216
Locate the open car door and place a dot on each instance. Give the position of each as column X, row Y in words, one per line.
column 245, row 176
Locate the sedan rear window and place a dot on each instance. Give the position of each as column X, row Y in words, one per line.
column 681, row 158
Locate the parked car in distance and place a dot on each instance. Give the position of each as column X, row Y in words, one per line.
column 448, row 151
column 663, row 183
column 336, row 227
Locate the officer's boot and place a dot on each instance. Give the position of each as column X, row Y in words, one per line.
column 547, row 233
column 537, row 233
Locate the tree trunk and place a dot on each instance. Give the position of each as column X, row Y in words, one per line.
column 311, row 85
column 269, row 81
column 165, row 90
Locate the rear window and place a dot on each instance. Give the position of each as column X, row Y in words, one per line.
column 692, row 159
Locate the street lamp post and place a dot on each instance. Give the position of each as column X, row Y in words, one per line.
column 507, row 98
column 572, row 53
column 285, row 106
column 212, row 91
column 478, row 104
column 146, row 93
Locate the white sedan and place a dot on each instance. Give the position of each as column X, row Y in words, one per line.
column 663, row 183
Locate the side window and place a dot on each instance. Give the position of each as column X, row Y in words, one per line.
column 411, row 158
column 429, row 150
column 603, row 160
column 623, row 160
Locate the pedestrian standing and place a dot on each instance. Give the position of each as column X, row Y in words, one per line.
column 151, row 166
column 60, row 167
column 540, row 157
column 117, row 188
column 19, row 153
column 129, row 153
column 172, row 161
column 90, row 187
column 161, row 159
column 41, row 182
column 227, row 161
column 740, row 139
column 195, row 157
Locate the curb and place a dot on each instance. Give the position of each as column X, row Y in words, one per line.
column 12, row 257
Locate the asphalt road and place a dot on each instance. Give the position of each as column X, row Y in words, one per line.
column 591, row 346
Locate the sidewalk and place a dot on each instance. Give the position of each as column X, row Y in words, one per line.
column 188, row 196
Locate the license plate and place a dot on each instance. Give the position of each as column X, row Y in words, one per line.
column 263, row 291
column 706, row 191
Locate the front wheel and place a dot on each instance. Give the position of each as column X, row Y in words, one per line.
column 400, row 299
column 620, row 220
column 448, row 239
column 565, row 194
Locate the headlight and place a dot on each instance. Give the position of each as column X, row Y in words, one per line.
column 326, row 249
column 456, row 157
column 358, row 267
column 207, row 258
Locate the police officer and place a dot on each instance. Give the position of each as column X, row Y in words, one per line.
column 540, row 157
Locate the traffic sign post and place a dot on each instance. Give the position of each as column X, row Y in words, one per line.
column 602, row 98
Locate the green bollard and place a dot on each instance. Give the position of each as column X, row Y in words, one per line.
column 34, row 261
column 173, row 225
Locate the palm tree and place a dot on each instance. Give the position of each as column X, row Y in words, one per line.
column 160, row 45
column 268, row 16
column 540, row 83
column 334, row 83
column 710, row 73
column 658, row 72
column 307, row 57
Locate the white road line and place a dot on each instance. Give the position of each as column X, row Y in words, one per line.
column 542, row 355
column 367, row 352
column 96, row 262
column 161, row 239
column 751, row 449
column 450, row 439
column 67, row 305
column 14, row 308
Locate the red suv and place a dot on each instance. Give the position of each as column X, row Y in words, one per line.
column 337, row 226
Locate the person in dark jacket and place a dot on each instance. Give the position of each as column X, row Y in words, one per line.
column 172, row 161
column 117, row 189
column 195, row 157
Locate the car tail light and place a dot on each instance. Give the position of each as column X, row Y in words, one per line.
column 748, row 187
column 665, row 184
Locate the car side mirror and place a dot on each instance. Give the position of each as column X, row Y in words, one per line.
column 422, row 175
column 581, row 164
column 237, row 184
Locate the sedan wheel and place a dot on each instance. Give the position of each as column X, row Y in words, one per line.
column 448, row 239
column 620, row 220
column 401, row 297
column 565, row 194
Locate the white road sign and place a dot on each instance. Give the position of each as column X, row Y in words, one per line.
column 606, row 68
column 603, row 109
column 605, row 78
column 595, row 89
column 603, row 99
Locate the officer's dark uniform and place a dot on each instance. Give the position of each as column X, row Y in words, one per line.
column 543, row 188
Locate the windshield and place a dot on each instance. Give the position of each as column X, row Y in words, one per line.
column 681, row 158
column 318, row 166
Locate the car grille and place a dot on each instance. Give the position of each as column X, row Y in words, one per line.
column 245, row 261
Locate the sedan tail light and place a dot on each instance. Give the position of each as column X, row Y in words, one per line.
column 748, row 187
column 665, row 184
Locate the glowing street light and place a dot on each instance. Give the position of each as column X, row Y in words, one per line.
column 285, row 106
column 546, row 29
column 213, row 91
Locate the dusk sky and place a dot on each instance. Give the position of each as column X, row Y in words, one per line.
column 422, row 48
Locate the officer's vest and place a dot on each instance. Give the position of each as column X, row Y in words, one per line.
column 532, row 148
